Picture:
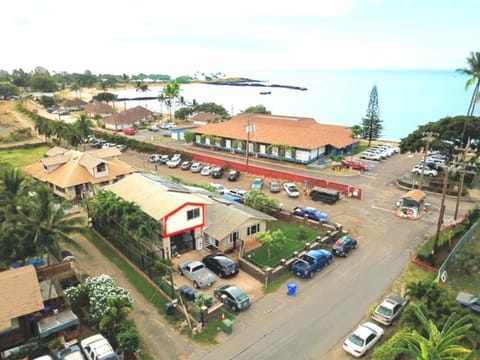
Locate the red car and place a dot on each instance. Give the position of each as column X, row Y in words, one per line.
column 129, row 131
column 355, row 165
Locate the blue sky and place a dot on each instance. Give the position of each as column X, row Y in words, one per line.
column 234, row 37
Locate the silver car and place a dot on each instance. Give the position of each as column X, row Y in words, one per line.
column 197, row 272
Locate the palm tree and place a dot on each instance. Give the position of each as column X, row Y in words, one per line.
column 162, row 98
column 83, row 126
column 473, row 70
column 51, row 222
column 141, row 87
column 125, row 78
column 117, row 312
column 171, row 91
column 14, row 186
column 75, row 88
column 437, row 345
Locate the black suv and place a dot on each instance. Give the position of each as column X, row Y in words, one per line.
column 233, row 175
column 343, row 246
column 220, row 264
column 217, row 172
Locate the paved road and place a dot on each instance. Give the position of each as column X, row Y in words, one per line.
column 313, row 324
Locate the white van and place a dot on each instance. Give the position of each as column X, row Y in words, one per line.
column 96, row 347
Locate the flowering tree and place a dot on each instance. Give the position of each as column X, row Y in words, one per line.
column 99, row 290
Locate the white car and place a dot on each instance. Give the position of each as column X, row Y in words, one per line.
column 417, row 170
column 291, row 190
column 362, row 339
column 219, row 188
column 206, row 170
column 173, row 163
column 196, row 167
column 368, row 155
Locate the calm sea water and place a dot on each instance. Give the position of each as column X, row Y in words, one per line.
column 407, row 99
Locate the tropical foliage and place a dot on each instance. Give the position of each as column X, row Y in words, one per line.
column 430, row 343
column 34, row 223
column 258, row 200
column 449, row 132
column 271, row 239
column 473, row 71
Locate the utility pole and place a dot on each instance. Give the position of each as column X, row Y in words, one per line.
column 428, row 136
column 441, row 213
column 249, row 128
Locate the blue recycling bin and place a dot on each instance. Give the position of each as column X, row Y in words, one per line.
column 291, row 289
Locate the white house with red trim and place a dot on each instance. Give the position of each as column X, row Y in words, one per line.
column 191, row 218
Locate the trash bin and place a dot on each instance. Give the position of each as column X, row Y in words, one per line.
column 170, row 308
column 227, row 326
column 291, row 289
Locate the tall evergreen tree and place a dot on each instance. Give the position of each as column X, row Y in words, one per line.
column 372, row 125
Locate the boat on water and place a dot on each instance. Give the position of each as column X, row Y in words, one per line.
column 265, row 92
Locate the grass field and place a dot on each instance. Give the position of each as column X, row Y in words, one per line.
column 294, row 243
column 19, row 158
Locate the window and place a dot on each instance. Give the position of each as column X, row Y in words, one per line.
column 233, row 237
column 101, row 167
column 253, row 229
column 192, row 214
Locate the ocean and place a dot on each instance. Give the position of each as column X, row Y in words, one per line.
column 407, row 98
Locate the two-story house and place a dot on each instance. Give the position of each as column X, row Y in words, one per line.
column 73, row 174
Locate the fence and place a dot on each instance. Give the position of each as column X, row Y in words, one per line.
column 442, row 271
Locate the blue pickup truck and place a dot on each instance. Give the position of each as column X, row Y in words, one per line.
column 314, row 260
column 310, row 213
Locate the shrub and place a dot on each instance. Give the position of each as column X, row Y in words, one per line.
column 127, row 336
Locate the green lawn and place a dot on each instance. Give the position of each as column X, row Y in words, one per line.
column 19, row 158
column 259, row 256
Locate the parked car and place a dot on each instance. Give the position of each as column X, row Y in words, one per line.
column 206, row 170
column 257, row 184
column 163, row 159
column 66, row 255
column 71, row 352
column 121, row 147
column 233, row 175
column 196, row 167
column 291, row 190
column 274, row 187
column 154, row 158
column 355, row 165
column 167, row 133
column 363, row 339
column 370, row 156
column 310, row 213
column 197, row 273
column 129, row 131
column 221, row 265
column 238, row 193
column 174, row 162
column 219, row 188
column 389, row 309
column 231, row 295
column 186, row 165
column 314, row 260
column 153, row 128
column 470, row 301
column 97, row 347
column 217, row 172
column 417, row 170
column 343, row 246
column 324, row 195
